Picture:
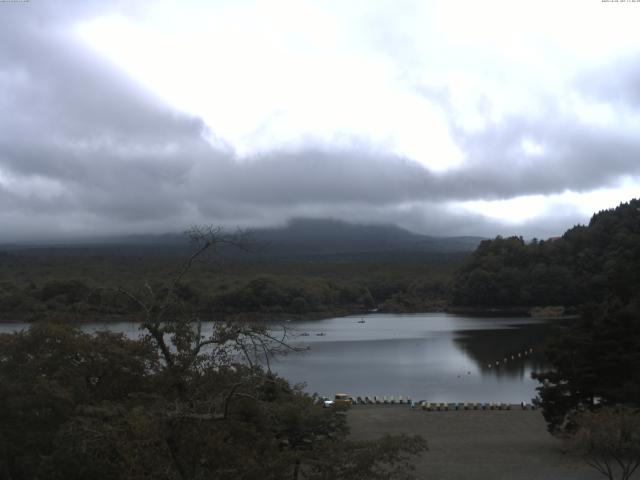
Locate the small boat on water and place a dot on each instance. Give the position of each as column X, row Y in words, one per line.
column 321, row 334
column 361, row 321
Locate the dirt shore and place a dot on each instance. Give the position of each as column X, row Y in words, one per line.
column 475, row 444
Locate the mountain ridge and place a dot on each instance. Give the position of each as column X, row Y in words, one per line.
column 299, row 237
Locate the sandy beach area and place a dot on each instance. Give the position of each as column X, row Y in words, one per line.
column 475, row 444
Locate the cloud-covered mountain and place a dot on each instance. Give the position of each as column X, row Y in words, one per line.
column 327, row 236
column 299, row 239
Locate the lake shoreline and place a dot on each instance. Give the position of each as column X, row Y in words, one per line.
column 79, row 318
column 531, row 311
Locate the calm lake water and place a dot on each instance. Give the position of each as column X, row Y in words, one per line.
column 437, row 357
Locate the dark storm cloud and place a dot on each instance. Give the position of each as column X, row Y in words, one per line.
column 72, row 120
column 85, row 150
column 314, row 175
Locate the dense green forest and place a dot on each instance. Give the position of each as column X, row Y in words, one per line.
column 596, row 360
column 78, row 406
column 310, row 267
column 173, row 404
column 73, row 283
column 596, row 364
column 588, row 263
column 592, row 270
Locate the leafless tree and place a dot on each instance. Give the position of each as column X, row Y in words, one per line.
column 178, row 332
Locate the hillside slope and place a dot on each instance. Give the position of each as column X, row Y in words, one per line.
column 587, row 264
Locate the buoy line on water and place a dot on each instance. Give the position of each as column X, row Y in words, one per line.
column 513, row 357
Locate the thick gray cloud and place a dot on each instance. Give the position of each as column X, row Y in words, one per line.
column 84, row 150
column 617, row 82
column 574, row 156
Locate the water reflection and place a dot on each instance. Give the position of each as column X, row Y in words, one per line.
column 437, row 357
column 514, row 351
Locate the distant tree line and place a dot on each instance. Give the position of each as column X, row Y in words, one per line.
column 32, row 287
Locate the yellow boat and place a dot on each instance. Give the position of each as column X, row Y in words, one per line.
column 343, row 398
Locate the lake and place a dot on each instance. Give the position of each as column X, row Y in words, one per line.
column 435, row 356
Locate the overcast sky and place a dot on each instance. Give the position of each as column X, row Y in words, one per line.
column 445, row 117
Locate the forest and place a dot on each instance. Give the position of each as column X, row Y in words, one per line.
column 595, row 270
column 72, row 284
column 306, row 269
column 590, row 263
